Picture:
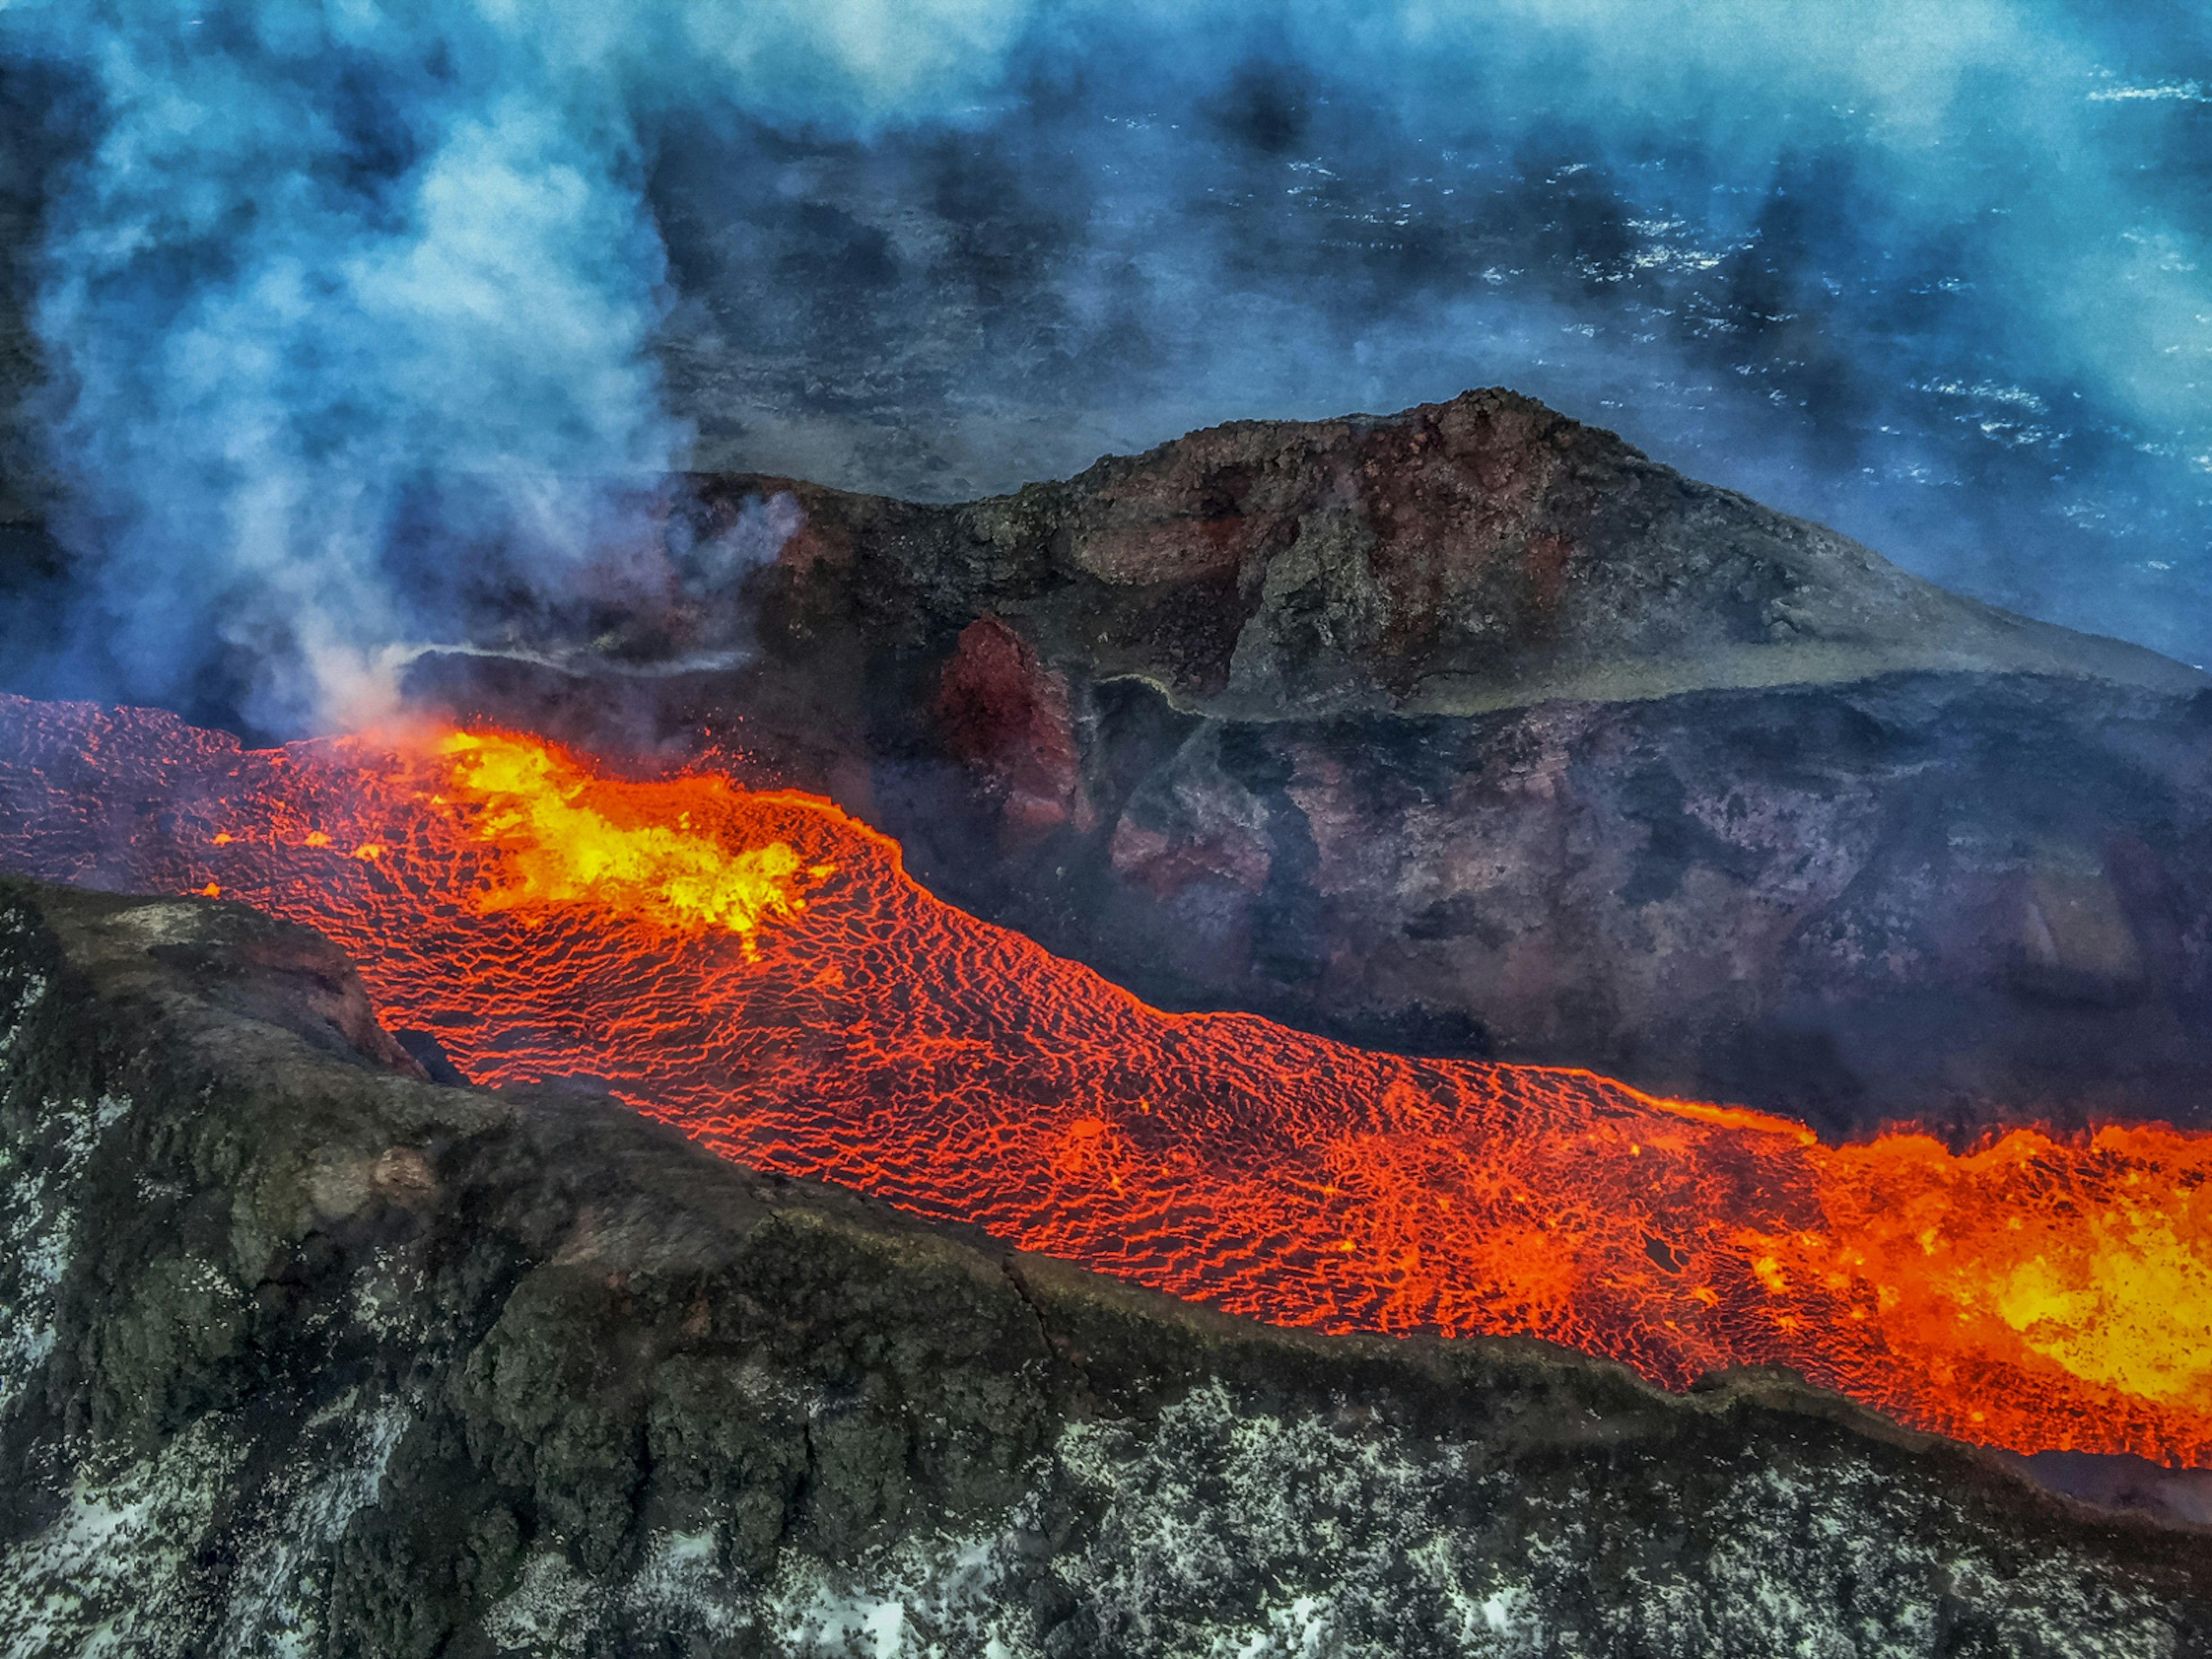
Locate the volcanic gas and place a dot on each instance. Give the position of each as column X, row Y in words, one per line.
column 758, row 968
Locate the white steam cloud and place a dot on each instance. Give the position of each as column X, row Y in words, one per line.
column 318, row 255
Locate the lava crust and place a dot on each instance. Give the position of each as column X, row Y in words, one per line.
column 757, row 968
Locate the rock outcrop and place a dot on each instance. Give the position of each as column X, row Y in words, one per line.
column 301, row 1353
column 1471, row 730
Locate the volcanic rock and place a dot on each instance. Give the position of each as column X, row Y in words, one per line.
column 300, row 1353
column 1005, row 716
column 1472, row 731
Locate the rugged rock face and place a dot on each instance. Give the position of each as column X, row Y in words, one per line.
column 1854, row 903
column 301, row 1353
column 1471, row 730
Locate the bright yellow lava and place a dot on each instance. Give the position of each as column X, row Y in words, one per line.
column 560, row 848
column 2101, row 1265
column 2131, row 1305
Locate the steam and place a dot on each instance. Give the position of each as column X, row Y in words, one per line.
column 371, row 320
column 339, row 286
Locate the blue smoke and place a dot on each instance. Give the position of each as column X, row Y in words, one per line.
column 1935, row 273
column 319, row 265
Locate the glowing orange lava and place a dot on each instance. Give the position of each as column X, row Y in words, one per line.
column 758, row 968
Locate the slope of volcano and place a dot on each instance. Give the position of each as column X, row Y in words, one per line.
column 758, row 968
column 1465, row 731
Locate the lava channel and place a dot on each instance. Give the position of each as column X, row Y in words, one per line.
column 759, row 969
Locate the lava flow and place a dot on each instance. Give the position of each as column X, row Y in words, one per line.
column 758, row 968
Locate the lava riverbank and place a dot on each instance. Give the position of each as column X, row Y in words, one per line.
column 1467, row 731
column 299, row 1353
column 759, row 969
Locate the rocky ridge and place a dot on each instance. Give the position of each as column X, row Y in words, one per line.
column 301, row 1353
column 1470, row 730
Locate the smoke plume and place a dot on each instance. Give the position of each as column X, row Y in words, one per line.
column 317, row 266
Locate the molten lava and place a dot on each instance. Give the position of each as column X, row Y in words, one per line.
column 758, row 968
column 632, row 852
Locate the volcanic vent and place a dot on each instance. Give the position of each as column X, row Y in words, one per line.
column 758, row 968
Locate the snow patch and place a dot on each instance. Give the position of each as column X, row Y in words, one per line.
column 39, row 1226
column 551, row 1610
column 109, row 1574
column 277, row 1594
column 938, row 1597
